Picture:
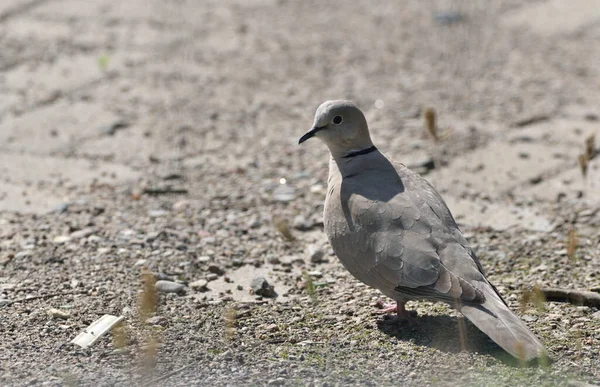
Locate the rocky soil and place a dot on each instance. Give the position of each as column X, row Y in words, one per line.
column 147, row 141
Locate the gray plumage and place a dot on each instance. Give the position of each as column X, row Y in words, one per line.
column 392, row 230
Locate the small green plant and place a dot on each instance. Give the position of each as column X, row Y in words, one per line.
column 284, row 354
column 103, row 61
column 311, row 289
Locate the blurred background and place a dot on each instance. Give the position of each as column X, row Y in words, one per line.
column 163, row 135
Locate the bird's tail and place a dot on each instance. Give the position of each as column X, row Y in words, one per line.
column 496, row 320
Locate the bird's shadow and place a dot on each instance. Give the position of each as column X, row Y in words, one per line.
column 445, row 333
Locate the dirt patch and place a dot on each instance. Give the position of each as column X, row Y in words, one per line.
column 214, row 98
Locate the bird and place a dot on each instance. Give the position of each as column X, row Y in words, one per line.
column 392, row 231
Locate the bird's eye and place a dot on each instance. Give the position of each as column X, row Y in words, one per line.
column 337, row 120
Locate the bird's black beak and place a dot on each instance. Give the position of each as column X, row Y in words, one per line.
column 310, row 134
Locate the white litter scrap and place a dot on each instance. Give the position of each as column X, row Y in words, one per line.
column 96, row 330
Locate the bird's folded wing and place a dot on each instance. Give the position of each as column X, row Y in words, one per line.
column 411, row 249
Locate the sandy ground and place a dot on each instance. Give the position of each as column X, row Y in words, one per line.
column 159, row 137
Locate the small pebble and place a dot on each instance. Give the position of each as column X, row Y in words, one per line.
column 181, row 205
column 315, row 253
column 61, row 239
column 284, row 193
column 157, row 213
column 82, row 233
column 253, row 223
column 272, row 328
column 61, row 208
column 273, row 260
column 289, row 260
column 157, row 320
column 216, row 270
column 164, row 286
column 529, row 318
column 209, row 240
column 448, row 17
column 317, row 189
column 57, row 313
column 261, row 287
column 211, row 277
column 203, row 259
column 199, row 284
column 94, row 239
column 300, row 223
column 222, row 233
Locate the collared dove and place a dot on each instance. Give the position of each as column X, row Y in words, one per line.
column 393, row 231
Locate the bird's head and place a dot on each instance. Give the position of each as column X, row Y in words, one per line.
column 341, row 126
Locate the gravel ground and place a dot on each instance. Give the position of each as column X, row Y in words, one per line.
column 206, row 104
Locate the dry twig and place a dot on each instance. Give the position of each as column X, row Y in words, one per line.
column 44, row 296
column 575, row 297
column 164, row 377
column 166, row 190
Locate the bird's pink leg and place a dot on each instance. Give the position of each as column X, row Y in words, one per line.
column 401, row 313
column 386, row 308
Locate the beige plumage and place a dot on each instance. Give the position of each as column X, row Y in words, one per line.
column 392, row 230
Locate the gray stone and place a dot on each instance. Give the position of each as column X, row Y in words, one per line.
column 216, row 270
column 157, row 213
column 529, row 318
column 301, row 223
column 284, row 193
column 261, row 287
column 211, row 277
column 82, row 233
column 203, row 259
column 23, row 254
column 61, row 208
column 222, row 233
column 157, row 320
column 61, row 239
column 289, row 260
column 315, row 253
column 164, row 286
column 199, row 284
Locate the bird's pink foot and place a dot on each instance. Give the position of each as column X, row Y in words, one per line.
column 385, row 307
column 401, row 313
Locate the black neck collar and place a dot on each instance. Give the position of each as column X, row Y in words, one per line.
column 361, row 152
